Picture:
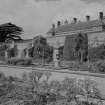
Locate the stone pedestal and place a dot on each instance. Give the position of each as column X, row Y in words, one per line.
column 56, row 64
column 6, row 54
column 27, row 53
column 55, row 57
column 19, row 54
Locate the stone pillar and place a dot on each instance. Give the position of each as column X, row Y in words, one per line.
column 6, row 54
column 32, row 43
column 19, row 55
column 27, row 53
column 56, row 56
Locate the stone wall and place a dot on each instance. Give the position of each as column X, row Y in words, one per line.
column 96, row 39
column 21, row 47
column 52, row 40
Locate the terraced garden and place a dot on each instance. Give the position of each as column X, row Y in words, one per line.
column 56, row 75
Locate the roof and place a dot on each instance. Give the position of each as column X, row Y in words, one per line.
column 24, row 41
column 78, row 26
column 30, row 40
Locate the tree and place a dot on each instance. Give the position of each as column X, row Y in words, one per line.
column 10, row 31
column 82, row 47
column 41, row 49
column 69, row 46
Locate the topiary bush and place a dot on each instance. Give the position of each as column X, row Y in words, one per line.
column 97, row 67
column 100, row 65
column 97, row 53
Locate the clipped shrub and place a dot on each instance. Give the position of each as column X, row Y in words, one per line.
column 97, row 67
column 97, row 53
column 100, row 65
column 27, row 61
column 2, row 55
column 69, row 46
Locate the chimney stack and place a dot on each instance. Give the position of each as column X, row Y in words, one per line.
column 101, row 15
column 87, row 18
column 58, row 23
column 75, row 20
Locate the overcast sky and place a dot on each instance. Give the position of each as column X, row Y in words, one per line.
column 36, row 16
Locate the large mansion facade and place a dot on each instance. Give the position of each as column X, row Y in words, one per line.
column 95, row 29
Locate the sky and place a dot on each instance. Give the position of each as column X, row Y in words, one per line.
column 37, row 16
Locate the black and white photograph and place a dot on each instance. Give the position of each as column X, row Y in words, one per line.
column 52, row 52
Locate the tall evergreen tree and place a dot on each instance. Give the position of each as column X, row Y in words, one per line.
column 41, row 49
column 9, row 31
column 82, row 47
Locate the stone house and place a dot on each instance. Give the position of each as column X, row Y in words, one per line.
column 24, row 46
column 95, row 30
column 20, row 45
